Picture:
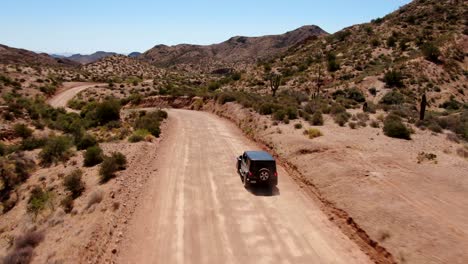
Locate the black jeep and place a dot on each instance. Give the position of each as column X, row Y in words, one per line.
column 257, row 167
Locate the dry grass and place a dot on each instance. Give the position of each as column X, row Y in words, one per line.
column 313, row 133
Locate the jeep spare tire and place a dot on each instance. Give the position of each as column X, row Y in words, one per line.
column 264, row 174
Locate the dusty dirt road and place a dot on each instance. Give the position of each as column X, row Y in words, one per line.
column 194, row 208
column 70, row 90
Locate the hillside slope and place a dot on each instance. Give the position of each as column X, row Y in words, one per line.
column 9, row 55
column 235, row 50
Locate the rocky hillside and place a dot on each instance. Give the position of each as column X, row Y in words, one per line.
column 85, row 59
column 235, row 50
column 120, row 67
column 420, row 48
column 10, row 55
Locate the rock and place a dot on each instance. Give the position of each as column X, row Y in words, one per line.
column 114, row 251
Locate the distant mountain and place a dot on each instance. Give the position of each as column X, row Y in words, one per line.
column 235, row 50
column 9, row 55
column 85, row 59
column 134, row 54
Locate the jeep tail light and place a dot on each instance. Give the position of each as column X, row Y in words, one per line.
column 276, row 174
column 250, row 174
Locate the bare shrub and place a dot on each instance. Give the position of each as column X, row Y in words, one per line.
column 29, row 239
column 95, row 198
column 74, row 184
column 19, row 256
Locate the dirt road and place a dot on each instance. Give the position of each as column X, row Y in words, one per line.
column 70, row 90
column 194, row 208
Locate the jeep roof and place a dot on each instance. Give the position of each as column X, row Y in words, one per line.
column 259, row 155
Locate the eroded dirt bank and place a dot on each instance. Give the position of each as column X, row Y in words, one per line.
column 373, row 187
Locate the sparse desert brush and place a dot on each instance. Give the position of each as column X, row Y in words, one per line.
column 111, row 165
column 67, row 204
column 313, row 133
column 463, row 152
column 374, row 124
column 298, row 126
column 74, row 184
column 38, row 200
column 139, row 135
column 352, row 125
column 317, row 119
column 93, row 156
column 56, row 149
column 86, row 141
column 22, row 253
column 394, row 127
column 341, row 118
column 22, row 130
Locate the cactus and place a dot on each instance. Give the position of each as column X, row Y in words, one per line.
column 422, row 112
column 275, row 81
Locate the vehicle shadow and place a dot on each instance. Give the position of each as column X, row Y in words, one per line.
column 259, row 190
column 262, row 190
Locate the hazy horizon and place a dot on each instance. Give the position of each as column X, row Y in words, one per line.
column 118, row 26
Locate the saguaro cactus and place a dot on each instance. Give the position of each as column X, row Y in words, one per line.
column 275, row 81
column 422, row 112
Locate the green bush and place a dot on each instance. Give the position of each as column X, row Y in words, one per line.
column 56, row 149
column 38, row 200
column 341, row 118
column 394, row 127
column 392, row 98
column 74, row 184
column 431, row 52
column 92, row 156
column 298, row 126
column 317, row 119
column 98, row 114
column 138, row 135
column 393, row 79
column 32, row 143
column 111, row 165
column 150, row 122
column 85, row 142
column 22, row 130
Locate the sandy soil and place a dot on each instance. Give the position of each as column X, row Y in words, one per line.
column 195, row 209
column 417, row 211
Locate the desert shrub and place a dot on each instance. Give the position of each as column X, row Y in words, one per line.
column 313, row 133
column 373, row 91
column 279, row 115
column 19, row 256
column 139, row 135
column 363, row 117
column 392, row 98
column 29, row 239
column 268, row 108
column 352, row 125
column 355, row 94
column 74, row 184
column 374, row 124
column 451, row 104
column 370, row 107
column 56, row 149
column 317, row 119
column 101, row 113
column 38, row 200
column 337, row 109
column 298, row 126
column 32, row 143
column 225, row 97
column 85, row 142
column 431, row 52
column 341, row 118
column 151, row 122
column 393, row 78
column 92, row 156
column 394, row 127
column 111, row 165
column 22, row 130
column 67, row 204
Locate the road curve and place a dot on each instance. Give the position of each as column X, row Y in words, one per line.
column 61, row 99
column 194, row 208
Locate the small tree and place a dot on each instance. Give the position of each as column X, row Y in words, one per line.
column 275, row 82
column 74, row 184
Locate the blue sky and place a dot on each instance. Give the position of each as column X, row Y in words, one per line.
column 124, row 26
